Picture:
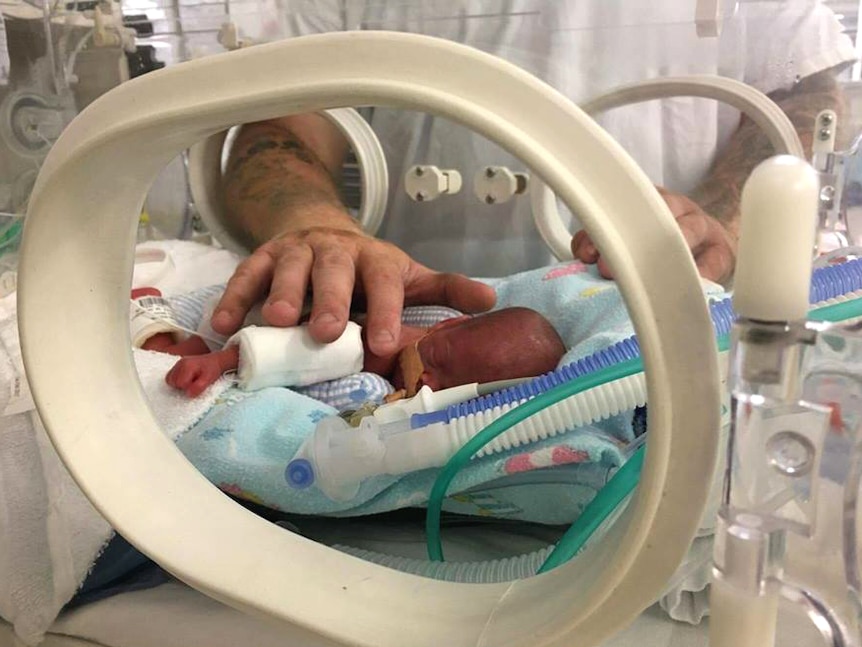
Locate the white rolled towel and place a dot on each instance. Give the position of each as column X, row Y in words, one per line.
column 290, row 357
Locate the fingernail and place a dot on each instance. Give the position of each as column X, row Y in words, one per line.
column 591, row 249
column 282, row 309
column 383, row 337
column 327, row 318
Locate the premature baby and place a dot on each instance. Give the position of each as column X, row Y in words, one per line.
column 504, row 344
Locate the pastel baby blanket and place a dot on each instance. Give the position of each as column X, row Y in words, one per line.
column 245, row 442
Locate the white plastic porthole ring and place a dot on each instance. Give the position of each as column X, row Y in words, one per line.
column 748, row 100
column 77, row 253
column 206, row 169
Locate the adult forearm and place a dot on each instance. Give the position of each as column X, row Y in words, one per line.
column 276, row 181
column 720, row 193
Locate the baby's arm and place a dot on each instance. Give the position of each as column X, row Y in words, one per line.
column 194, row 374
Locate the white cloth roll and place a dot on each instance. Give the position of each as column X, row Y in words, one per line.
column 290, row 357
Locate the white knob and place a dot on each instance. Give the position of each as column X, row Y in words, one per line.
column 425, row 183
column 776, row 243
column 497, row 184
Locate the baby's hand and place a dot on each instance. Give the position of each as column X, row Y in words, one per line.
column 194, row 374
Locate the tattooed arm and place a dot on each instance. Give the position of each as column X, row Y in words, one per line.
column 720, row 193
column 709, row 218
column 281, row 197
column 284, row 174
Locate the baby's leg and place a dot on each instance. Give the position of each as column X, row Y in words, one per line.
column 195, row 373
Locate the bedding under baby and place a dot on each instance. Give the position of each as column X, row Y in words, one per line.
column 246, row 440
column 243, row 441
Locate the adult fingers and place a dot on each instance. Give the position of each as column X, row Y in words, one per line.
column 715, row 263
column 333, row 276
column 427, row 287
column 695, row 228
column 710, row 244
column 383, row 284
column 283, row 307
column 249, row 283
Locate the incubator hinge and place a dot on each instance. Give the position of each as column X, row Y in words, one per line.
column 831, row 166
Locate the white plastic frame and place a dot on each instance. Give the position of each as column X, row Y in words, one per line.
column 206, row 168
column 77, row 258
column 748, row 100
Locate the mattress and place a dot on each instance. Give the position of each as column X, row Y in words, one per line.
column 174, row 615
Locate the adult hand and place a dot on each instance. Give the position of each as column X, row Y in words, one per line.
column 711, row 244
column 338, row 264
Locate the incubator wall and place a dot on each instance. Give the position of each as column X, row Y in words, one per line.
column 582, row 49
column 55, row 59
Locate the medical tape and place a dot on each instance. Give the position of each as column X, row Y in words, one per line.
column 165, row 320
column 150, row 315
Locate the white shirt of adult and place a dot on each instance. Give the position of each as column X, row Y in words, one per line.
column 582, row 49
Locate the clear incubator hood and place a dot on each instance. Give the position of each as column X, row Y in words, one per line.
column 549, row 116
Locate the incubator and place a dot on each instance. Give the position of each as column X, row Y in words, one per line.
column 487, row 111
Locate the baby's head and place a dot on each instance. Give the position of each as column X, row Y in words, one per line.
column 500, row 345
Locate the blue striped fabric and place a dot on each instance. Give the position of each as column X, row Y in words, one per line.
column 344, row 393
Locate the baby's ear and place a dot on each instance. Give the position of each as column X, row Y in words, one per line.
column 448, row 323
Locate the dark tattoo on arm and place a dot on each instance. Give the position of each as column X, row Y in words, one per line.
column 274, row 177
column 286, row 142
column 720, row 193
